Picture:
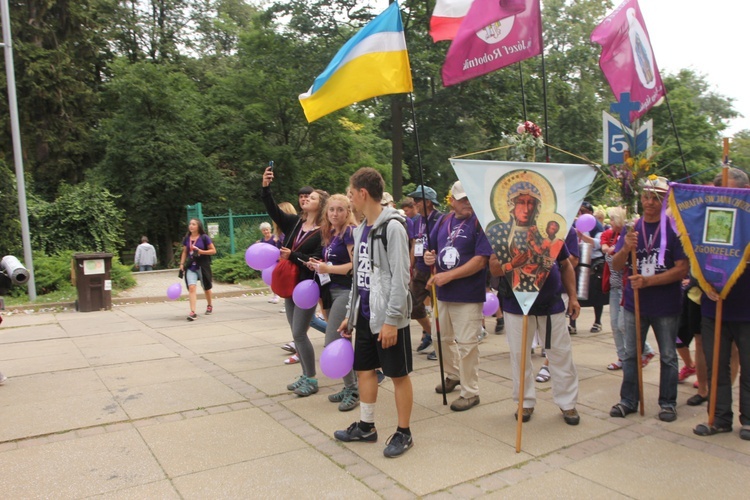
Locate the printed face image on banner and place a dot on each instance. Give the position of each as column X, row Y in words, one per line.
column 527, row 233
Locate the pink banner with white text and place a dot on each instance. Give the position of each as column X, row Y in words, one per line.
column 627, row 58
column 494, row 34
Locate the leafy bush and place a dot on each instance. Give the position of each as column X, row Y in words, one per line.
column 53, row 273
column 233, row 269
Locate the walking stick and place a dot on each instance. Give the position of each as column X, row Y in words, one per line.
column 719, row 313
column 638, row 339
column 439, row 343
column 715, row 363
column 522, row 381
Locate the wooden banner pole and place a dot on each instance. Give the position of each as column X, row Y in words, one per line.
column 522, row 381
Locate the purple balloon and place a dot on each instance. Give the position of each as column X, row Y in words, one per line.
column 585, row 223
column 174, row 291
column 267, row 274
column 306, row 294
column 491, row 304
column 261, row 255
column 337, row 359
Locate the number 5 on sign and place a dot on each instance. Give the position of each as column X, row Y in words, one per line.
column 618, row 139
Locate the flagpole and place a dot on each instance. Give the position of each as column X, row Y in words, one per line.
column 523, row 91
column 427, row 232
column 544, row 98
column 677, row 137
column 522, row 380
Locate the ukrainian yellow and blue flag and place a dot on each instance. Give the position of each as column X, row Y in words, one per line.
column 372, row 63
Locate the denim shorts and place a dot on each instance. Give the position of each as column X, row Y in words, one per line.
column 191, row 277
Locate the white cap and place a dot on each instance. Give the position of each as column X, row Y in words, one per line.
column 457, row 191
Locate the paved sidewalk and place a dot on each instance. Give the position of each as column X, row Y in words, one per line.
column 139, row 403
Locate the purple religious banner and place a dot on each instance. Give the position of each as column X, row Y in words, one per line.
column 526, row 209
column 627, row 58
column 494, row 34
column 714, row 226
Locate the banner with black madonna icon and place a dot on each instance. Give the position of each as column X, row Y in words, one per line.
column 714, row 226
column 526, row 210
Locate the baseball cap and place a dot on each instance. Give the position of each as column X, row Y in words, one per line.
column 386, row 198
column 457, row 191
column 429, row 194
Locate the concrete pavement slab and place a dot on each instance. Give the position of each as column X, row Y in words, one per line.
column 559, row 484
column 50, row 416
column 214, row 373
column 36, row 332
column 197, row 444
column 646, row 468
column 79, row 468
column 176, row 396
column 295, row 474
column 163, row 490
column 25, row 358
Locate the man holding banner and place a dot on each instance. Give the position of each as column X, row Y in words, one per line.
column 661, row 266
column 521, row 258
column 716, row 223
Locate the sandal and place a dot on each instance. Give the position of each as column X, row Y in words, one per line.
column 620, row 411
column 617, row 365
column 292, row 360
column 289, row 347
column 710, row 430
column 596, row 328
column 543, row 375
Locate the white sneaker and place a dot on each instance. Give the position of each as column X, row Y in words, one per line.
column 3, row 378
column 482, row 334
column 282, row 310
column 273, row 300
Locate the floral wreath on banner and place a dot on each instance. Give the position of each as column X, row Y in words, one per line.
column 522, row 145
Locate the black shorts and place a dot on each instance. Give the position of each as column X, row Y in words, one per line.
column 419, row 292
column 369, row 353
column 690, row 322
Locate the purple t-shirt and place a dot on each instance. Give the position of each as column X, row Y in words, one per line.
column 735, row 305
column 419, row 235
column 337, row 253
column 362, row 274
column 457, row 241
column 658, row 301
column 549, row 300
column 203, row 242
column 571, row 243
column 271, row 241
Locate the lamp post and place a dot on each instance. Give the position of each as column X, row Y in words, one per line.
column 17, row 152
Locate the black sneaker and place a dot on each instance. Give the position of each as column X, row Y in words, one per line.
column 499, row 326
column 397, row 445
column 192, row 316
column 354, row 433
column 432, row 356
column 209, row 309
column 426, row 342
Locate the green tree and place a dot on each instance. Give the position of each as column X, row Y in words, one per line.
column 739, row 150
column 61, row 55
column 153, row 151
column 82, row 218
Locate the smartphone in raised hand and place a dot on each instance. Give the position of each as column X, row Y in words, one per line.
column 270, row 165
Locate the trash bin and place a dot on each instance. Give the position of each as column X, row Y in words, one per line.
column 91, row 275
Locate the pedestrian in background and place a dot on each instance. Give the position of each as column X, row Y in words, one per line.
column 145, row 255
